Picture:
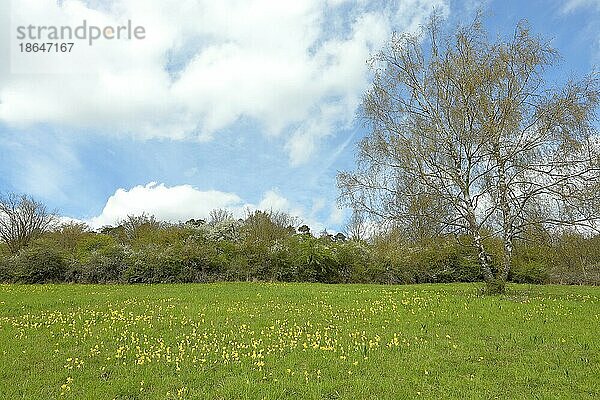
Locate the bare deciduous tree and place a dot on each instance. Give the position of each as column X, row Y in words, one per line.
column 219, row 215
column 22, row 219
column 357, row 229
column 469, row 137
column 134, row 226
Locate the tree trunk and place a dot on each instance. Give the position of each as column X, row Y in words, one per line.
column 484, row 260
column 507, row 222
column 493, row 285
column 482, row 255
column 506, row 260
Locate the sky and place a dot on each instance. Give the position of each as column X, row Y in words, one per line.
column 239, row 104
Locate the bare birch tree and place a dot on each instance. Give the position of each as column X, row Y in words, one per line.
column 468, row 137
column 22, row 219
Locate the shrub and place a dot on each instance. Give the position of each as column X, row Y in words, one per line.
column 574, row 259
column 204, row 261
column 314, row 260
column 152, row 264
column 190, row 262
column 40, row 263
column 105, row 266
column 529, row 271
column 430, row 262
column 282, row 265
column 91, row 245
column 6, row 272
column 530, row 263
column 353, row 259
column 385, row 271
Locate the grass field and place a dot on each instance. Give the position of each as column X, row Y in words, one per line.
column 251, row 340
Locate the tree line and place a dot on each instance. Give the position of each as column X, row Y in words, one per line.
column 264, row 246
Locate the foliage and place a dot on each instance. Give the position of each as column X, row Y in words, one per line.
column 6, row 273
column 39, row 263
column 574, row 259
column 104, row 265
column 266, row 247
column 529, row 264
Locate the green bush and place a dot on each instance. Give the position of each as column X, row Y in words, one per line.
column 314, row 260
column 530, row 264
column 204, row 261
column 102, row 266
column 431, row 262
column 153, row 264
column 574, row 260
column 191, row 262
column 6, row 272
column 529, row 271
column 281, row 263
column 353, row 259
column 93, row 245
column 386, row 271
column 40, row 263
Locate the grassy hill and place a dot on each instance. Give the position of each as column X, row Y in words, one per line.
column 255, row 340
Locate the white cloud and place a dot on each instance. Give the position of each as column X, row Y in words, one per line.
column 338, row 215
column 182, row 202
column 176, row 203
column 274, row 201
column 297, row 68
column 62, row 220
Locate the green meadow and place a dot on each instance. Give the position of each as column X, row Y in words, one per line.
column 292, row 341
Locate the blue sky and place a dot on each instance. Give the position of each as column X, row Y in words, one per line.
column 241, row 104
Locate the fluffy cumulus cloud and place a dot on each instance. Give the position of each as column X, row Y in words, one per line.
column 176, row 203
column 182, row 202
column 295, row 68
